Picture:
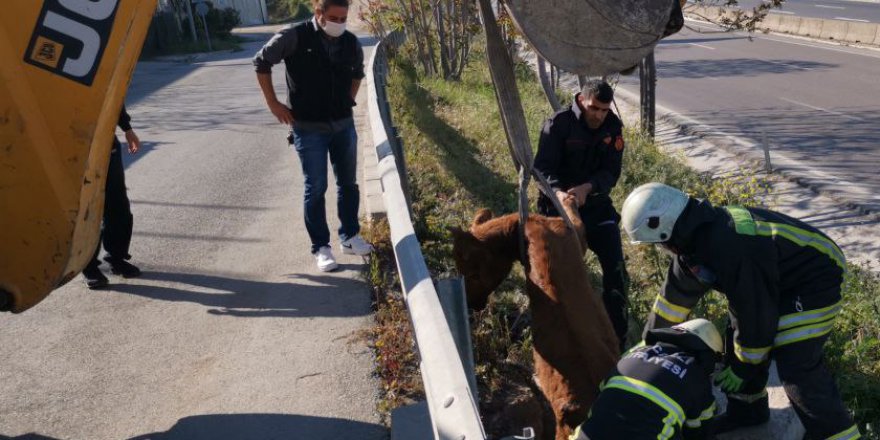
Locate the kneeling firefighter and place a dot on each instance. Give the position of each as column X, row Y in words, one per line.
column 662, row 389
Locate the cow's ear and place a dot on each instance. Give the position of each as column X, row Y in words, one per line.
column 481, row 217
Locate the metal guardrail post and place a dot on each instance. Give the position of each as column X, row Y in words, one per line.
column 648, row 84
column 768, row 167
column 452, row 405
column 454, row 302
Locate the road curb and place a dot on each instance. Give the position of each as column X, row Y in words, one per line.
column 188, row 58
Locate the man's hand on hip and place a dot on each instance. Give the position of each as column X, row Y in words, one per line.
column 282, row 112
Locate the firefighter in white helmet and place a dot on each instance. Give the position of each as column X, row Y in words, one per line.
column 782, row 279
column 661, row 389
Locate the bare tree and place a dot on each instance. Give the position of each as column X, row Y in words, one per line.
column 455, row 22
column 734, row 18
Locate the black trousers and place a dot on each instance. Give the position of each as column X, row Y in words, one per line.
column 117, row 225
column 603, row 239
column 808, row 384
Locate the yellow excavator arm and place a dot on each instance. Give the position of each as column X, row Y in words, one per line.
column 65, row 66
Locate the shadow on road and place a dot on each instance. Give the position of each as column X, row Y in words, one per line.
column 267, row 426
column 256, row 427
column 227, row 296
column 694, row 69
column 31, row 436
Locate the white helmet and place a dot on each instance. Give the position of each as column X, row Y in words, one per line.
column 650, row 211
column 704, row 330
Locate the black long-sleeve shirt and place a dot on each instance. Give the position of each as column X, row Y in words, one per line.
column 570, row 153
column 284, row 45
column 124, row 119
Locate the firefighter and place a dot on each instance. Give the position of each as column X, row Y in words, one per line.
column 661, row 389
column 782, row 279
column 580, row 151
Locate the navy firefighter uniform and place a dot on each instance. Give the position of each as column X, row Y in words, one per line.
column 570, row 153
column 661, row 390
column 782, row 278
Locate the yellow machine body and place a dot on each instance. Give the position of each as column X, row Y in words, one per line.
column 65, row 66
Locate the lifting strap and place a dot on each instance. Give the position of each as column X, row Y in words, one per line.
column 514, row 121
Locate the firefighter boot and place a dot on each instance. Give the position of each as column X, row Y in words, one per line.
column 742, row 414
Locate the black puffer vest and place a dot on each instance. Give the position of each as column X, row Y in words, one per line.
column 321, row 87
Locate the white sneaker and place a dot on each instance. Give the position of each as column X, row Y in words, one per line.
column 356, row 246
column 325, row 260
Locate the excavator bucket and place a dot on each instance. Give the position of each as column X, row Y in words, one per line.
column 594, row 37
column 64, row 70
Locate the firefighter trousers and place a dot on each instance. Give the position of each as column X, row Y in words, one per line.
column 809, row 386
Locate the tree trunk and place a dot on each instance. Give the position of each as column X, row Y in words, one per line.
column 546, row 85
column 440, row 18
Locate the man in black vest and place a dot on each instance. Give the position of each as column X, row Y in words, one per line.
column 580, row 152
column 324, row 65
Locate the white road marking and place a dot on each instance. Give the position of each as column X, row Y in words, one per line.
column 700, row 45
column 782, row 12
column 843, row 115
column 791, row 66
column 830, row 7
column 852, row 19
column 790, row 40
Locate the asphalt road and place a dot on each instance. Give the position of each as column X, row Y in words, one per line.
column 231, row 332
column 850, row 10
column 815, row 103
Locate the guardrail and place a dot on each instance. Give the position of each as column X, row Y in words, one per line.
column 451, row 399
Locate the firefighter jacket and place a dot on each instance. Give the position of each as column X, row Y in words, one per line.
column 781, row 277
column 570, row 154
column 661, row 390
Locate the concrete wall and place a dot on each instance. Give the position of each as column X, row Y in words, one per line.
column 836, row 30
column 252, row 11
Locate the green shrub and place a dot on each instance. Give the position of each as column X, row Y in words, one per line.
column 222, row 21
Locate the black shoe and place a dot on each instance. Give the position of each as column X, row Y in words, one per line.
column 95, row 279
column 122, row 267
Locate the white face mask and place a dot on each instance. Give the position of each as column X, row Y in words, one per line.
column 333, row 29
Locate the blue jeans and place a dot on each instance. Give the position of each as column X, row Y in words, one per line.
column 313, row 148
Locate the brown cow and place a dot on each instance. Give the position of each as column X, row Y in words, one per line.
column 574, row 344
